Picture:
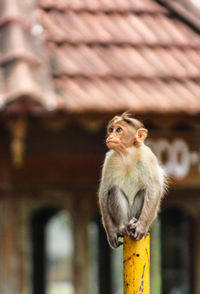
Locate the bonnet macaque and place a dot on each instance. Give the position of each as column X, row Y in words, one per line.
column 132, row 182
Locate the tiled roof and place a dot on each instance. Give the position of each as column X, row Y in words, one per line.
column 23, row 68
column 103, row 5
column 101, row 55
column 111, row 94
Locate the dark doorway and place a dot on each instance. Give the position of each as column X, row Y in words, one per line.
column 52, row 256
column 104, row 261
column 38, row 224
column 106, row 266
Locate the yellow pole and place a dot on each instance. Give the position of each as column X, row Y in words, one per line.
column 137, row 266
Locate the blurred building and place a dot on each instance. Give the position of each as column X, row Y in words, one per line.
column 66, row 67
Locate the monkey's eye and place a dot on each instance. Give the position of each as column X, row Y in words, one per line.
column 110, row 130
column 118, row 130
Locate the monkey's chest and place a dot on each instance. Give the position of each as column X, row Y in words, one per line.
column 127, row 178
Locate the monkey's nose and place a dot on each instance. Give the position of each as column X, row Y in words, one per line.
column 110, row 138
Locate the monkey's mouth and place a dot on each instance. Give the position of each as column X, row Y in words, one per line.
column 110, row 143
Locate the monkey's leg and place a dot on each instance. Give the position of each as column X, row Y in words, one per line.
column 107, row 219
column 118, row 208
column 136, row 209
column 148, row 212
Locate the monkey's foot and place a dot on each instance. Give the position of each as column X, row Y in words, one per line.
column 132, row 224
column 113, row 240
column 136, row 229
column 130, row 228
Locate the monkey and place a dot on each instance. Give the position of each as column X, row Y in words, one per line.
column 132, row 182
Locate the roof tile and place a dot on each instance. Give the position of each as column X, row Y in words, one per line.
column 123, row 61
column 12, row 10
column 23, row 70
column 115, row 28
column 115, row 95
column 15, row 42
column 104, row 5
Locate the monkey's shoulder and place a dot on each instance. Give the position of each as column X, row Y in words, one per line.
column 141, row 155
column 151, row 167
column 147, row 165
column 147, row 155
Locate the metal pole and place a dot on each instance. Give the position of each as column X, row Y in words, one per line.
column 137, row 266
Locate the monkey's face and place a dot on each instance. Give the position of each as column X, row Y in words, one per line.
column 120, row 136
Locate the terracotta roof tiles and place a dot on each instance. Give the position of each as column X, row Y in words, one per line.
column 116, row 28
column 23, row 68
column 147, row 96
column 124, row 61
column 103, row 5
column 99, row 55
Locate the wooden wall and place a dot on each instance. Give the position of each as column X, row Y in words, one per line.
column 62, row 167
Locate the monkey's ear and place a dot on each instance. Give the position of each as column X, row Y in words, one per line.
column 141, row 135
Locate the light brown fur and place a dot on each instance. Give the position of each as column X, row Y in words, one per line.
column 132, row 182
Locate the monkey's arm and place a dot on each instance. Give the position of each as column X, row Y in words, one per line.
column 110, row 228
column 154, row 181
column 152, row 198
column 105, row 186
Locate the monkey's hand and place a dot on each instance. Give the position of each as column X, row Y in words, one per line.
column 113, row 239
column 119, row 148
column 137, row 229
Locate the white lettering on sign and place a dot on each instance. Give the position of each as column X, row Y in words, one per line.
column 175, row 157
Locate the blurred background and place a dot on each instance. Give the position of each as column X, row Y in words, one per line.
column 66, row 68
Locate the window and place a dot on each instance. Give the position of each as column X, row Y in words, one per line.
column 59, row 254
column 93, row 239
column 176, row 236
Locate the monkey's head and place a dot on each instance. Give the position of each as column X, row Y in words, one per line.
column 123, row 132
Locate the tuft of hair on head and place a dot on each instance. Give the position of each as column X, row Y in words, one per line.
column 126, row 116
